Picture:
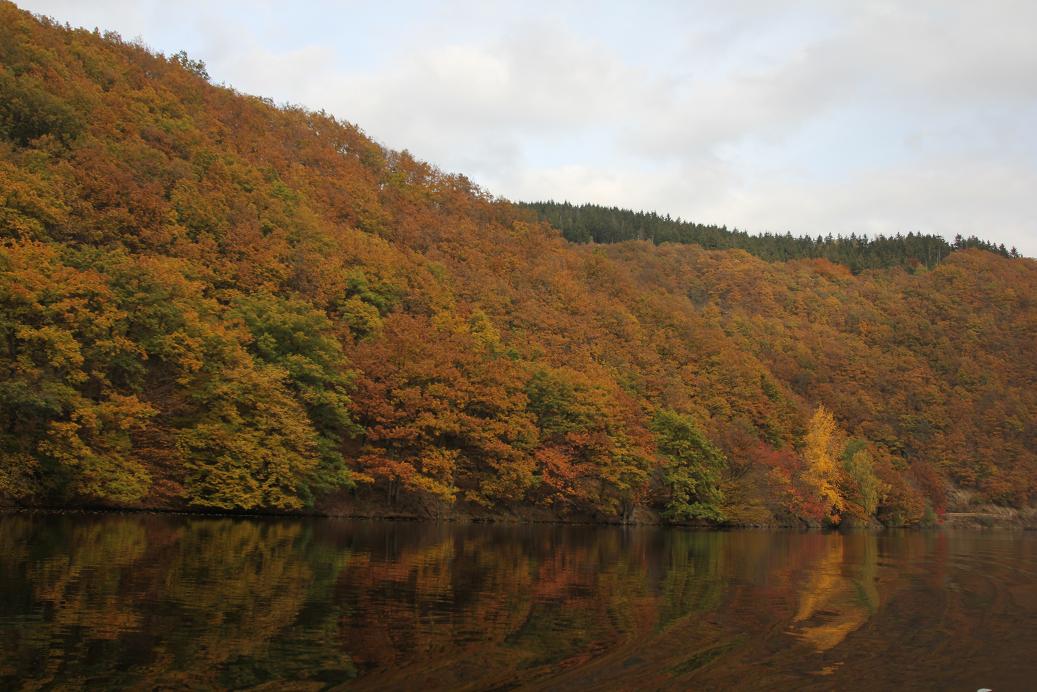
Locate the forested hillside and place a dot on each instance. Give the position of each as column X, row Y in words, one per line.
column 593, row 223
column 210, row 302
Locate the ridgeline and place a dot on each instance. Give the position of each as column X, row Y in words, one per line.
column 591, row 223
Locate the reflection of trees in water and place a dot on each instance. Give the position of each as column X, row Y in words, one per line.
column 244, row 586
column 839, row 594
column 538, row 604
column 219, row 602
column 123, row 601
column 514, row 598
column 73, row 575
column 690, row 584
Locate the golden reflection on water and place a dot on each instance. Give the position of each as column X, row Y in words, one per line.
column 168, row 602
column 839, row 594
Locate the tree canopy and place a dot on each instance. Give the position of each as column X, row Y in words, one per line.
column 592, row 223
column 210, row 301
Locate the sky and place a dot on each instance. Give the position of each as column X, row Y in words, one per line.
column 811, row 117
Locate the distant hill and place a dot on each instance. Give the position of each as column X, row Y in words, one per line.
column 210, row 302
column 593, row 223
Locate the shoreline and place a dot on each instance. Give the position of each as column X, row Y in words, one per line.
column 1001, row 518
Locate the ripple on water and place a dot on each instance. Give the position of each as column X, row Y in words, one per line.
column 141, row 601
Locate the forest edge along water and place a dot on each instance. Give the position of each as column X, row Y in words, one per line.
column 208, row 301
column 198, row 602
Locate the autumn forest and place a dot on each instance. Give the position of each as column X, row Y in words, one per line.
column 211, row 302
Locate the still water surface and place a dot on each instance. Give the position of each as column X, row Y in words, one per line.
column 173, row 602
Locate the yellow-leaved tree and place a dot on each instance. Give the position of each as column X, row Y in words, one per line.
column 820, row 450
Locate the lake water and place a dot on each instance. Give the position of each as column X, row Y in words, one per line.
column 177, row 602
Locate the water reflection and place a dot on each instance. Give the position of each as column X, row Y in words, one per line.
column 169, row 602
column 839, row 594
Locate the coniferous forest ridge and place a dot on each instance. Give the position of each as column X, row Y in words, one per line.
column 210, row 302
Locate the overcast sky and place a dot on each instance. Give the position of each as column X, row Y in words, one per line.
column 814, row 117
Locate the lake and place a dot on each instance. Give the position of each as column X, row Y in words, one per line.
column 153, row 601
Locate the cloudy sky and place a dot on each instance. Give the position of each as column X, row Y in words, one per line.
column 815, row 117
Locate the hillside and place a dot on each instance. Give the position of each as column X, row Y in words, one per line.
column 593, row 223
column 210, row 302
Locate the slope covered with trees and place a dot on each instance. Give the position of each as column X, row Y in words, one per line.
column 592, row 223
column 207, row 301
